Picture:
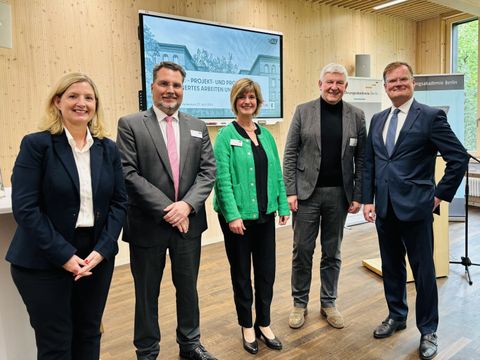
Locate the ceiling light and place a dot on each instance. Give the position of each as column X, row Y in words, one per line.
column 387, row 4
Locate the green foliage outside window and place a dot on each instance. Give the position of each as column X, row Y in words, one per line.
column 466, row 62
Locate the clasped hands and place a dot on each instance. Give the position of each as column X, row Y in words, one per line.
column 177, row 215
column 83, row 267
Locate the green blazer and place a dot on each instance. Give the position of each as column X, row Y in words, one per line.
column 235, row 190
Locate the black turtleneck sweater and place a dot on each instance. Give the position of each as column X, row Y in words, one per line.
column 331, row 136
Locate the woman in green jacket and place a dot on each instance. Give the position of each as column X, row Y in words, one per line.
column 249, row 191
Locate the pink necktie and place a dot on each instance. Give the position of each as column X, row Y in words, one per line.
column 172, row 154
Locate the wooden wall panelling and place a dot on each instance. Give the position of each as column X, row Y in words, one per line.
column 99, row 37
column 429, row 46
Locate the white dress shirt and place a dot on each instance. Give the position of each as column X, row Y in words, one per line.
column 163, row 126
column 402, row 116
column 82, row 161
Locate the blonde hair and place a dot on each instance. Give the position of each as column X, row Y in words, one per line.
column 52, row 120
column 240, row 88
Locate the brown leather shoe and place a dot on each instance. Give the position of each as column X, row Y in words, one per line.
column 297, row 317
column 334, row 318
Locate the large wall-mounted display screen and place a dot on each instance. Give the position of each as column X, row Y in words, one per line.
column 214, row 56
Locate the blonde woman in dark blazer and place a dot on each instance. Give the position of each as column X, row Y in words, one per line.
column 69, row 201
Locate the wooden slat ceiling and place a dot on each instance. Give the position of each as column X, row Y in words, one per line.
column 416, row 10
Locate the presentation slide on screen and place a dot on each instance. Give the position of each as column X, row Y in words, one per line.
column 207, row 90
column 214, row 57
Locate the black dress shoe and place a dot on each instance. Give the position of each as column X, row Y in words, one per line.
column 274, row 343
column 199, row 353
column 251, row 347
column 388, row 327
column 428, row 346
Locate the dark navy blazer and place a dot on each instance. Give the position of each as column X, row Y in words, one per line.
column 407, row 176
column 46, row 200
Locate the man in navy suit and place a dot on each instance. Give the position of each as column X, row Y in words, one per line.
column 399, row 168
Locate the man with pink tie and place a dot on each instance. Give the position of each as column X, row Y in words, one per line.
column 169, row 171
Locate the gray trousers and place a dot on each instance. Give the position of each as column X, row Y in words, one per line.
column 326, row 210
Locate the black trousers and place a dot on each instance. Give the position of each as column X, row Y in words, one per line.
column 256, row 246
column 415, row 239
column 147, row 265
column 66, row 314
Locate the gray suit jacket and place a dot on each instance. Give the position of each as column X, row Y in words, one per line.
column 148, row 175
column 303, row 151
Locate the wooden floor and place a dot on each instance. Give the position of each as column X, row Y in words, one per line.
column 361, row 301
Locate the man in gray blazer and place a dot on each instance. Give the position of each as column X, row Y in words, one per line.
column 322, row 169
column 169, row 171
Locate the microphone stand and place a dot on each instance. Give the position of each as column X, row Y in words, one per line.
column 465, row 260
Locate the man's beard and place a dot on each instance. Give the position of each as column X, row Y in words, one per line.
column 170, row 108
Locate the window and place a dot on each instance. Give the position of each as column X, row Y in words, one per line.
column 265, row 68
column 465, row 61
column 175, row 59
column 165, row 57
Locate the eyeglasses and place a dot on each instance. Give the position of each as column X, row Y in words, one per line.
column 166, row 84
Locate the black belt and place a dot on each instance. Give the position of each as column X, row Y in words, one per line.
column 84, row 230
